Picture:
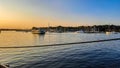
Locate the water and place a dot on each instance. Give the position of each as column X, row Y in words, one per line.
column 92, row 55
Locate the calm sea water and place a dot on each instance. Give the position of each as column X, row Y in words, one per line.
column 92, row 55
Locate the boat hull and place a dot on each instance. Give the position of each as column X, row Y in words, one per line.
column 38, row 32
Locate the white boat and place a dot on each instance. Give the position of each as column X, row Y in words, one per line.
column 38, row 31
column 113, row 32
column 80, row 31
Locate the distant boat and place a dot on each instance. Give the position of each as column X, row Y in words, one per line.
column 80, row 31
column 112, row 32
column 38, row 31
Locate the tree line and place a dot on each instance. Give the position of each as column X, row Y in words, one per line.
column 99, row 28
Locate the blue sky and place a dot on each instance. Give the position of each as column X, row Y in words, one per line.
column 60, row 12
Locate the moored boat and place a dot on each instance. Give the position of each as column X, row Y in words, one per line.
column 112, row 32
column 80, row 31
column 38, row 31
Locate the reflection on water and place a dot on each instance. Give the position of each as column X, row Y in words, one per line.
column 93, row 55
column 29, row 39
column 38, row 38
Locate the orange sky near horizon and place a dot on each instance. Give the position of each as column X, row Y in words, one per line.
column 27, row 25
column 40, row 13
column 13, row 15
column 12, row 19
column 22, row 19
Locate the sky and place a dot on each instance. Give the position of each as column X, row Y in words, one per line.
column 40, row 13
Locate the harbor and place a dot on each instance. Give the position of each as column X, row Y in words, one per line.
column 59, row 33
column 49, row 56
column 108, row 29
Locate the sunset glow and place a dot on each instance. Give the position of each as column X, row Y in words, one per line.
column 29, row 13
